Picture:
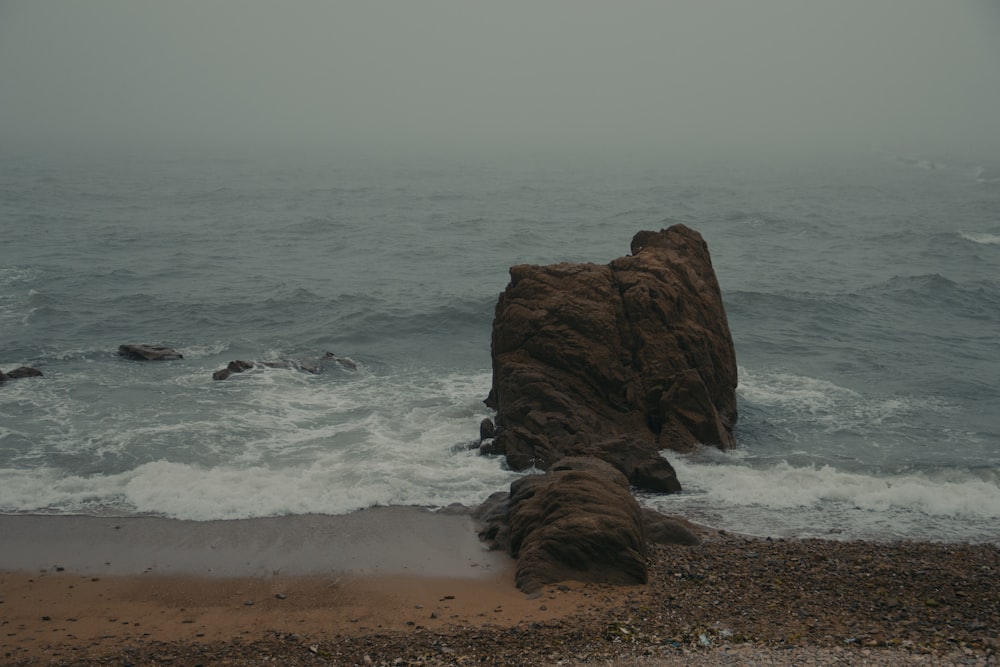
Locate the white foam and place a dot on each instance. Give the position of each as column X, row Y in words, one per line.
column 981, row 238
column 985, row 175
column 186, row 491
column 202, row 351
column 14, row 301
column 785, row 499
column 784, row 486
column 267, row 442
column 822, row 403
column 11, row 275
column 803, row 394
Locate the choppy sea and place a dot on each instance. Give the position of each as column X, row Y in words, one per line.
column 863, row 297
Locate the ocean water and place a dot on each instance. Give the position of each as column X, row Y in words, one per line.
column 863, row 296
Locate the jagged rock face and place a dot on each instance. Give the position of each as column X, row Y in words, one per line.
column 579, row 521
column 616, row 361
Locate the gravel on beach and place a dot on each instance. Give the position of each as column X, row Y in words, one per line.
column 730, row 600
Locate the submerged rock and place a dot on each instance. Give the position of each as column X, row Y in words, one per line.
column 314, row 366
column 149, row 352
column 615, row 361
column 346, row 362
column 20, row 372
column 235, row 366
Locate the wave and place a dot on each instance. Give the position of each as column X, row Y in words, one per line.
column 859, row 427
column 268, row 442
column 789, row 500
column 810, row 315
column 924, row 297
column 16, row 295
column 981, row 238
column 988, row 174
column 457, row 313
column 206, row 350
column 951, row 493
column 202, row 493
column 982, row 173
column 823, row 402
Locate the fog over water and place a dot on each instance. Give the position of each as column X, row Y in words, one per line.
column 437, row 77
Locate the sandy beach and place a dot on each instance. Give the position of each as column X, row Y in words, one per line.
column 402, row 586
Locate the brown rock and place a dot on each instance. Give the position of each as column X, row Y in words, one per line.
column 494, row 517
column 588, row 359
column 235, row 366
column 663, row 529
column 579, row 521
column 149, row 352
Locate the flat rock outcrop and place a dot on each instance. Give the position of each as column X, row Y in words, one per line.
column 615, row 361
column 149, row 352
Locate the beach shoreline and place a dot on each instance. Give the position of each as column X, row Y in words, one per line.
column 404, row 589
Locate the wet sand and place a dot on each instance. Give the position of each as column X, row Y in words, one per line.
column 83, row 587
column 401, row 586
column 380, row 540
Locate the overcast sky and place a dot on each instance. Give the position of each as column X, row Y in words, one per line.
column 415, row 75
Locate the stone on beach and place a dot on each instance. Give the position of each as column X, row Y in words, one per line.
column 578, row 521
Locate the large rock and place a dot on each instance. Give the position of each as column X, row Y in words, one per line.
column 149, row 352
column 615, row 361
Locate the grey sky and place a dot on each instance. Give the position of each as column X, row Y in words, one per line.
column 479, row 76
